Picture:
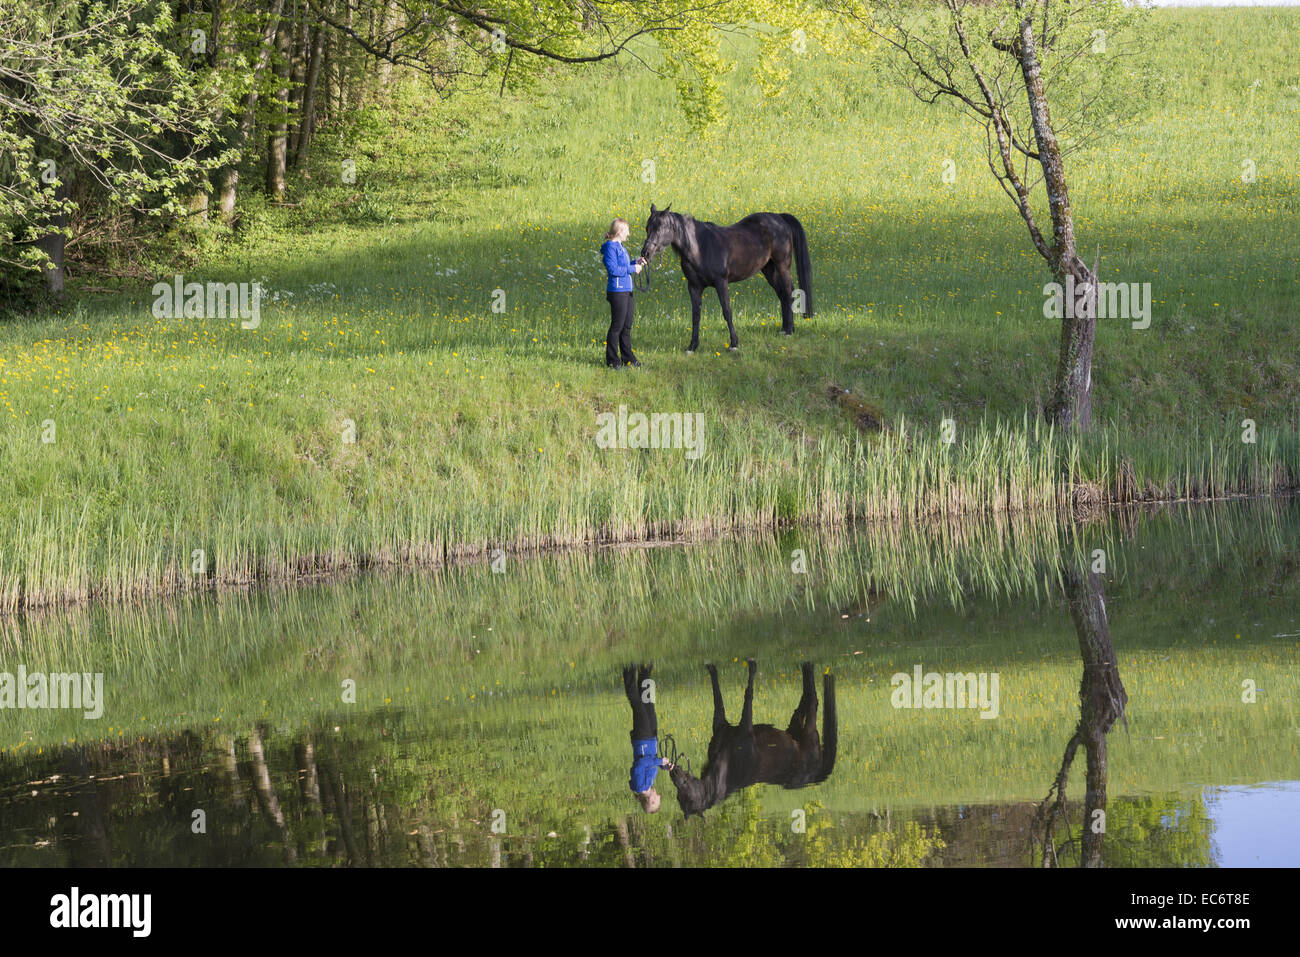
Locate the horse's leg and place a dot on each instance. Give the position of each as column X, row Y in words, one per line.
column 724, row 297
column 810, row 712
column 807, row 706
column 697, row 297
column 783, row 286
column 747, row 715
column 785, row 292
column 719, row 710
column 629, row 684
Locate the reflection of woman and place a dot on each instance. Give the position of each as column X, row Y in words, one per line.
column 618, row 290
column 645, row 736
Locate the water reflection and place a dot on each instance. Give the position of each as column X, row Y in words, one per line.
column 1102, row 700
column 490, row 724
column 1255, row 826
column 646, row 759
column 742, row 755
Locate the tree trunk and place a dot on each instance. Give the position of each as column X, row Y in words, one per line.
column 277, row 143
column 301, row 43
column 55, row 241
column 307, row 121
column 229, row 178
column 198, row 205
column 325, row 102
column 388, row 26
column 213, row 57
column 1071, row 404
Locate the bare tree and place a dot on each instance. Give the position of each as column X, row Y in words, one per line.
column 1044, row 79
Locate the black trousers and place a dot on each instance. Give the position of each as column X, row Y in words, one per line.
column 644, row 723
column 618, row 341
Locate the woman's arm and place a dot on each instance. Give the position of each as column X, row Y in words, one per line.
column 615, row 264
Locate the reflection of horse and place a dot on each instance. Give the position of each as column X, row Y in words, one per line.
column 745, row 754
column 714, row 255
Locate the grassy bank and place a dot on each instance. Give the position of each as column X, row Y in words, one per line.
column 475, row 429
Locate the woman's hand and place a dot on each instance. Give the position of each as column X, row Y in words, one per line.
column 636, row 266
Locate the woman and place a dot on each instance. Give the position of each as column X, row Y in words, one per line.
column 646, row 761
column 618, row 290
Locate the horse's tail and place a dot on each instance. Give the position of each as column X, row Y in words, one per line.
column 801, row 261
column 830, row 729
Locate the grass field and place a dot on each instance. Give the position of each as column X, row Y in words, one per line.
column 476, row 429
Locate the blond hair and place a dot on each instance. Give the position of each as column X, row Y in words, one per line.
column 617, row 226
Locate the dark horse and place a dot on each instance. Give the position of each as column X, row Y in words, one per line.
column 745, row 754
column 714, row 255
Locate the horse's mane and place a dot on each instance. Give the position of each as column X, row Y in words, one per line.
column 686, row 229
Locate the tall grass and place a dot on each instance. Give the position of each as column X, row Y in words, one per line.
column 629, row 496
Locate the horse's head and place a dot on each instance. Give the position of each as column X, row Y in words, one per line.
column 660, row 231
column 694, row 795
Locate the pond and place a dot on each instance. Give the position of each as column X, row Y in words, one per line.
column 1144, row 666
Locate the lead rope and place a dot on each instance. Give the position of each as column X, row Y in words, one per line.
column 668, row 748
column 645, row 278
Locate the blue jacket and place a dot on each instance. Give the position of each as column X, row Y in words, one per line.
column 619, row 266
column 645, row 762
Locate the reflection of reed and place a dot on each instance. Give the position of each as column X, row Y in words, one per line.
column 166, row 660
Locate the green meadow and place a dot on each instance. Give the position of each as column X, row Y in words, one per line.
column 132, row 444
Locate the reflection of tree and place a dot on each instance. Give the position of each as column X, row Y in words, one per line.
column 1161, row 831
column 309, row 792
column 1102, row 700
column 266, row 796
column 365, row 796
column 741, row 840
column 230, row 762
column 94, row 848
